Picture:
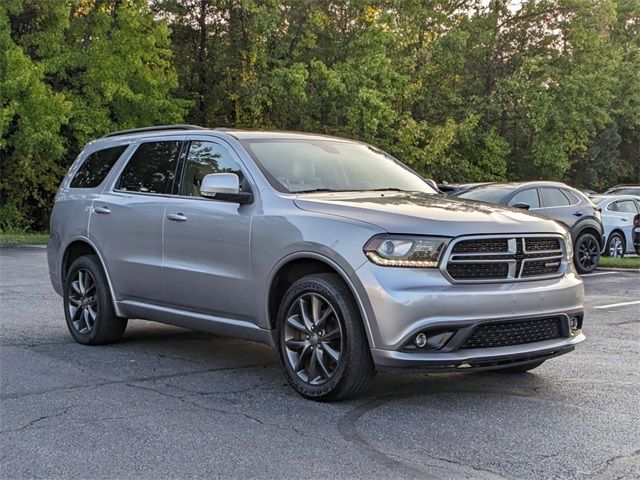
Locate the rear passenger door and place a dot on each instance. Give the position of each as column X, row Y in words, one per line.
column 207, row 260
column 127, row 220
column 621, row 214
column 560, row 206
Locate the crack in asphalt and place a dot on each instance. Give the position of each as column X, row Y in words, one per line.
column 13, row 396
column 62, row 412
column 611, row 464
column 186, row 400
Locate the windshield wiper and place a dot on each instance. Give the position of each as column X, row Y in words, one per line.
column 314, row 190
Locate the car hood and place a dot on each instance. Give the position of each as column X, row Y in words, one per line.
column 424, row 214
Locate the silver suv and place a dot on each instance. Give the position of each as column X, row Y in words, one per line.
column 328, row 249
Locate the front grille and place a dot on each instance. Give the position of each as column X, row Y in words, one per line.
column 504, row 334
column 504, row 258
column 542, row 244
column 540, row 268
column 482, row 245
column 478, row 270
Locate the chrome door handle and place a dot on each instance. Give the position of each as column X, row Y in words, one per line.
column 102, row 210
column 177, row 217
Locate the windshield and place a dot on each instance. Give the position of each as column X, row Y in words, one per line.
column 492, row 194
column 297, row 166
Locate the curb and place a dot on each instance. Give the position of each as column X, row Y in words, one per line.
column 613, row 269
column 20, row 245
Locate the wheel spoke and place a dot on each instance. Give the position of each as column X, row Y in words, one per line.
column 332, row 335
column 75, row 286
column 301, row 358
column 323, row 319
column 302, row 304
column 333, row 353
column 326, row 373
column 86, row 318
column 295, row 323
column 312, row 371
column 296, row 344
column 81, row 283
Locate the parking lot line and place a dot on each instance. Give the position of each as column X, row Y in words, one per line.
column 621, row 304
column 597, row 273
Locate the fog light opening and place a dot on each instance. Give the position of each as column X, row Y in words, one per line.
column 432, row 341
column 421, row 340
column 575, row 324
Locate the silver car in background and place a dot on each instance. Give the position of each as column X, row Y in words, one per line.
column 618, row 214
column 328, row 249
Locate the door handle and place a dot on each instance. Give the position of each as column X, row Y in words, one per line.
column 578, row 214
column 102, row 210
column 177, row 217
column 624, row 219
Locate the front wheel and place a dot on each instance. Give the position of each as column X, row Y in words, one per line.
column 88, row 305
column 615, row 245
column 587, row 253
column 321, row 340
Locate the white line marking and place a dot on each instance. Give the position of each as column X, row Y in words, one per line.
column 621, row 304
column 597, row 273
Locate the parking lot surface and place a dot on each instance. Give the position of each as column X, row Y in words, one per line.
column 172, row 403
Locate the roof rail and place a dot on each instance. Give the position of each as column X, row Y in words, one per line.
column 154, row 129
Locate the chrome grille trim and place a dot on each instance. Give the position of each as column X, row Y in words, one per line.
column 516, row 257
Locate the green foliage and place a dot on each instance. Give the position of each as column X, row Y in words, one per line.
column 471, row 90
column 72, row 71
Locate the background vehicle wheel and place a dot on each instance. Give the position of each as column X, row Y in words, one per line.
column 586, row 253
column 615, row 246
column 321, row 340
column 521, row 368
column 88, row 305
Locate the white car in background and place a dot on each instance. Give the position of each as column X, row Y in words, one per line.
column 618, row 214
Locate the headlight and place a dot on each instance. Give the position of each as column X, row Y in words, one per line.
column 568, row 241
column 405, row 251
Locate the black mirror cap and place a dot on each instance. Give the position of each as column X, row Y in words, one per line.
column 522, row 205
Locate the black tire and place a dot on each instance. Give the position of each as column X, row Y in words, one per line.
column 586, row 253
column 88, row 306
column 520, row 368
column 616, row 246
column 313, row 343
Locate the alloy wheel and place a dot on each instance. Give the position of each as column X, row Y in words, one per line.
column 83, row 301
column 615, row 247
column 588, row 253
column 313, row 337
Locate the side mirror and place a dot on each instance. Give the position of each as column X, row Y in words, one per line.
column 224, row 187
column 522, row 205
column 432, row 183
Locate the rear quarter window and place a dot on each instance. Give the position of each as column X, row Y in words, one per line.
column 96, row 166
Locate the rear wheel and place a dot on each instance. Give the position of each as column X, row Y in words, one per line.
column 88, row 305
column 321, row 340
column 521, row 368
column 615, row 245
column 587, row 253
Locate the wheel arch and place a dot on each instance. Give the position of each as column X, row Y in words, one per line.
column 78, row 247
column 297, row 265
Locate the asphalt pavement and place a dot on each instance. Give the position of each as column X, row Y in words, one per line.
column 172, row 403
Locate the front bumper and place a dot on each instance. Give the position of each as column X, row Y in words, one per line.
column 400, row 303
column 476, row 359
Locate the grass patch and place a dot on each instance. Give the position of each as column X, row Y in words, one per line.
column 625, row 262
column 24, row 238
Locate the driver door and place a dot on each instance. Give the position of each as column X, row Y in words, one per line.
column 207, row 261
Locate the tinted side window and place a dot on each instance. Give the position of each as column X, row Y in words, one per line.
column 626, row 206
column 96, row 167
column 529, row 196
column 203, row 159
column 556, row 198
column 151, row 169
column 573, row 198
